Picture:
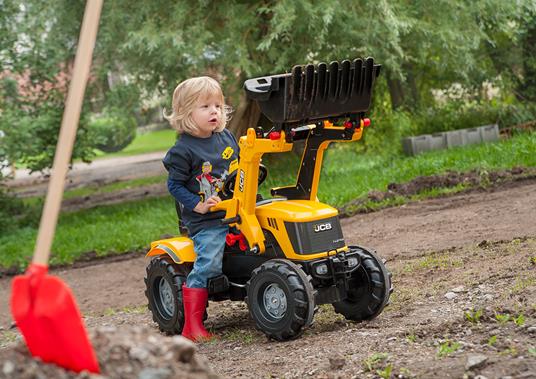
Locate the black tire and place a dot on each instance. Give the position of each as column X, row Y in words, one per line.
column 163, row 280
column 370, row 288
column 284, row 285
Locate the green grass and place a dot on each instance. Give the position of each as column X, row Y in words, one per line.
column 150, row 142
column 105, row 230
column 347, row 175
column 92, row 190
column 356, row 174
column 97, row 189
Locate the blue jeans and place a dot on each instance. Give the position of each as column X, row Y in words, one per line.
column 208, row 245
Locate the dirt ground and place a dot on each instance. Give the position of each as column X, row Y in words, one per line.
column 99, row 172
column 464, row 271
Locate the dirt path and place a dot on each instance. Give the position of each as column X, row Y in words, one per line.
column 432, row 247
column 100, row 171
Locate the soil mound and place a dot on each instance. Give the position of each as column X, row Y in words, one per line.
column 126, row 352
column 473, row 180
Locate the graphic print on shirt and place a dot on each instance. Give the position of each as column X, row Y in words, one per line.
column 209, row 184
column 227, row 153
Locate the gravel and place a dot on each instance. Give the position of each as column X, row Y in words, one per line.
column 129, row 352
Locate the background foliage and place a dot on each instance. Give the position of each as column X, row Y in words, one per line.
column 446, row 64
column 149, row 47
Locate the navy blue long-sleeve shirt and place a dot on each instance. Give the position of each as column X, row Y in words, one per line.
column 197, row 168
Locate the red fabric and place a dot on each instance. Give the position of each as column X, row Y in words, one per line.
column 195, row 303
column 46, row 314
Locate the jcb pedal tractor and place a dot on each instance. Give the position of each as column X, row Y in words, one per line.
column 286, row 255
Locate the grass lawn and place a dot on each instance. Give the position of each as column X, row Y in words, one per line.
column 150, row 142
column 346, row 175
column 105, row 230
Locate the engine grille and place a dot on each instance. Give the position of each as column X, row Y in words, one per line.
column 315, row 236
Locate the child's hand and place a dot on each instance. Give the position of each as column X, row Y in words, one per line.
column 205, row 207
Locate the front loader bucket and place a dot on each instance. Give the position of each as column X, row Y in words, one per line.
column 315, row 92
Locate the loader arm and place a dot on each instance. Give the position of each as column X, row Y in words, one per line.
column 303, row 104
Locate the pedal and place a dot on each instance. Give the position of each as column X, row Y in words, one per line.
column 218, row 284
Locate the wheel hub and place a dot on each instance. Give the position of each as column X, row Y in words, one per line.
column 166, row 296
column 275, row 301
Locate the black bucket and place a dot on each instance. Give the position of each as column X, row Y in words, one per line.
column 315, row 92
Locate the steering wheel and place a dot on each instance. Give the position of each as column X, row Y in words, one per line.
column 228, row 186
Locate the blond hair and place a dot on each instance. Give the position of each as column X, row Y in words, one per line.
column 185, row 97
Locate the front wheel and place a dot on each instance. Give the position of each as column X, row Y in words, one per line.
column 369, row 289
column 280, row 299
column 163, row 281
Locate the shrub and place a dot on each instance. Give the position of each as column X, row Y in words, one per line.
column 468, row 114
column 387, row 130
column 113, row 131
column 14, row 214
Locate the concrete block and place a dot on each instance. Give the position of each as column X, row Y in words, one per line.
column 472, row 135
column 455, row 138
column 489, row 133
column 438, row 141
column 416, row 145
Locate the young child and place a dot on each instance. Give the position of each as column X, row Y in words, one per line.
column 197, row 165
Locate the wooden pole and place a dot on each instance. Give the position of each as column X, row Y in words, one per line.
column 69, row 125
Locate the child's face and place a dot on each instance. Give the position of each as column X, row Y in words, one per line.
column 207, row 114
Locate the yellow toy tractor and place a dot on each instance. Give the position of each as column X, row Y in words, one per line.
column 285, row 255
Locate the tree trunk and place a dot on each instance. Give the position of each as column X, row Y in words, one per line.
column 246, row 116
column 527, row 88
column 413, row 89
column 396, row 91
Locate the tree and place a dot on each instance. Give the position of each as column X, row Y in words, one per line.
column 37, row 50
column 422, row 44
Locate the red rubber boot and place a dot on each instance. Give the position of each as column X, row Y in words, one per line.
column 195, row 303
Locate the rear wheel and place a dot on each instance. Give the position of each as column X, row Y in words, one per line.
column 280, row 298
column 163, row 281
column 369, row 289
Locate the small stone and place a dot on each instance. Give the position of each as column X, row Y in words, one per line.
column 138, row 353
column 336, row 363
column 457, row 289
column 475, row 360
column 487, row 297
column 450, row 295
column 481, row 377
column 155, row 373
column 9, row 368
column 531, row 329
column 312, row 372
column 107, row 329
column 183, row 349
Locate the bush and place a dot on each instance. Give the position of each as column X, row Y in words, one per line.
column 469, row 114
column 31, row 130
column 14, row 214
column 113, row 131
column 386, row 131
